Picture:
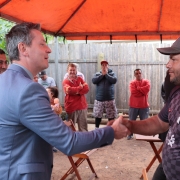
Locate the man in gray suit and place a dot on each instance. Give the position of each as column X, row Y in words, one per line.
column 28, row 126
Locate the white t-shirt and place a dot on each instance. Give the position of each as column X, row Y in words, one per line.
column 49, row 82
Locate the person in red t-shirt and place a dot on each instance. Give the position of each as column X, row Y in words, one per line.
column 75, row 103
column 138, row 102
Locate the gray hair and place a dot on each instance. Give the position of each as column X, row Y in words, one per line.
column 19, row 33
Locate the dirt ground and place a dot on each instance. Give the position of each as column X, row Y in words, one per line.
column 123, row 160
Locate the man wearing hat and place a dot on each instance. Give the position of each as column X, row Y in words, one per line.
column 45, row 80
column 104, row 81
column 168, row 117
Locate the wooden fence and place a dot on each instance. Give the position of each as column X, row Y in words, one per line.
column 123, row 59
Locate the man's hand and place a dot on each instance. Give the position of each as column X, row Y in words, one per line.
column 67, row 89
column 104, row 71
column 126, row 122
column 109, row 123
column 120, row 130
column 80, row 86
column 85, row 84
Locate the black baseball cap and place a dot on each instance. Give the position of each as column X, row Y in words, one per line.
column 42, row 73
column 174, row 49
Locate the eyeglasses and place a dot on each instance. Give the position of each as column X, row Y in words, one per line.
column 4, row 62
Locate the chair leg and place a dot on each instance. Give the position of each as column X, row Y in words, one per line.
column 75, row 168
column 92, row 169
column 77, row 164
column 71, row 170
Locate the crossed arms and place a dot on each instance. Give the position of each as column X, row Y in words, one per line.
column 137, row 90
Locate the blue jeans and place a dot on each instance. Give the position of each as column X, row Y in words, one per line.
column 142, row 112
column 134, row 112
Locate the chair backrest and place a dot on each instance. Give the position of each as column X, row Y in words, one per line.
column 70, row 124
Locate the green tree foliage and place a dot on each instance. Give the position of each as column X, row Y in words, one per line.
column 50, row 39
column 4, row 28
column 7, row 25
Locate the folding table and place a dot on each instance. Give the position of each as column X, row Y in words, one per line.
column 151, row 140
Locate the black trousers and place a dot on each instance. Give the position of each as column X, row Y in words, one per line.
column 159, row 173
column 98, row 121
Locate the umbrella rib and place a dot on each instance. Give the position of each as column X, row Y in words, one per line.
column 4, row 3
column 160, row 15
column 70, row 17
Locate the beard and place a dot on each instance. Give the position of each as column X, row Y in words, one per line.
column 2, row 70
column 175, row 80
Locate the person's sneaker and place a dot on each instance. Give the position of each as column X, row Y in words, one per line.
column 54, row 149
column 129, row 137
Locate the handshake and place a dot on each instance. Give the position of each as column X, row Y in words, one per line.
column 121, row 127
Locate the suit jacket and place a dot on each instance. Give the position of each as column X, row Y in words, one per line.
column 29, row 128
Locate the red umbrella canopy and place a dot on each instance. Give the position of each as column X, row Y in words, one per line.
column 99, row 19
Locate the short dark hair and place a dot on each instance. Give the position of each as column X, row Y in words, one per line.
column 2, row 52
column 54, row 91
column 137, row 70
column 19, row 33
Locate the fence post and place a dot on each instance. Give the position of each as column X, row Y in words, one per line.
column 56, row 62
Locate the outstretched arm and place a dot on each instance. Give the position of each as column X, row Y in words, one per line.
column 151, row 126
